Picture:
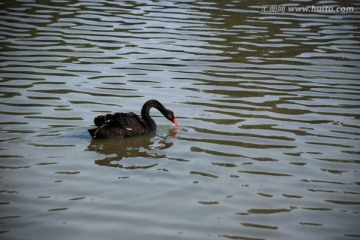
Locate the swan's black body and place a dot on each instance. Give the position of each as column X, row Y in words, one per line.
column 121, row 125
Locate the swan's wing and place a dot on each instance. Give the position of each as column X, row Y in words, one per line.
column 119, row 125
column 133, row 122
column 120, row 120
column 99, row 120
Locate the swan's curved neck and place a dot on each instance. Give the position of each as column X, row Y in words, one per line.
column 146, row 109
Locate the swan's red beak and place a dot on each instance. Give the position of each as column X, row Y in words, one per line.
column 175, row 121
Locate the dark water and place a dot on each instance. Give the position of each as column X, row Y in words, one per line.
column 268, row 104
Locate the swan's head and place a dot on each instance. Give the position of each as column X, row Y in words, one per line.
column 170, row 115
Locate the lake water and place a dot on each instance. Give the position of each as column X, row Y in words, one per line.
column 268, row 145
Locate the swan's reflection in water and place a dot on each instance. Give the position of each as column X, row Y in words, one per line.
column 135, row 152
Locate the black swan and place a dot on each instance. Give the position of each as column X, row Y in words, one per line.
column 121, row 125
